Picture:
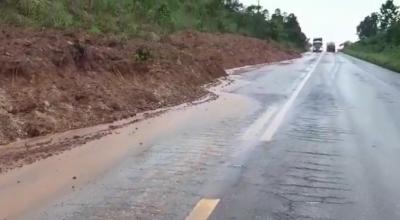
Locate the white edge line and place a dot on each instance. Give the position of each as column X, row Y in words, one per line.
column 259, row 124
column 277, row 121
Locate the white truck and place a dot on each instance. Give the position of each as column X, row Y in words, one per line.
column 317, row 45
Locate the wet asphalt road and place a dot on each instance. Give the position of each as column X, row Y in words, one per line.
column 335, row 154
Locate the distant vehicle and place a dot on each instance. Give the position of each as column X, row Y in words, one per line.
column 331, row 47
column 317, row 45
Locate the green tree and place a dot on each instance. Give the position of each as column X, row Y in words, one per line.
column 393, row 34
column 293, row 31
column 368, row 27
column 389, row 15
column 234, row 6
column 277, row 25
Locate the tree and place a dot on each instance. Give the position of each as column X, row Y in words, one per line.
column 253, row 9
column 368, row 27
column 393, row 33
column 277, row 23
column 293, row 31
column 389, row 15
column 214, row 7
column 255, row 20
column 233, row 5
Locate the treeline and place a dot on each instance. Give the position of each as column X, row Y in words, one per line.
column 141, row 17
column 383, row 26
column 379, row 35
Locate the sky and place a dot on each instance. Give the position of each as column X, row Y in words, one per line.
column 334, row 20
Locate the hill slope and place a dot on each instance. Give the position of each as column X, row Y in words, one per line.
column 56, row 80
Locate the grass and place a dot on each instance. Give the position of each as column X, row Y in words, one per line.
column 129, row 17
column 387, row 57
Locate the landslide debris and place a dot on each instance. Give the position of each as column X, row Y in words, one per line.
column 230, row 50
column 54, row 81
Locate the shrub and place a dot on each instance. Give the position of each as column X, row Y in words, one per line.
column 142, row 54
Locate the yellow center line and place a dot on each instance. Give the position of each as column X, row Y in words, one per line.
column 203, row 209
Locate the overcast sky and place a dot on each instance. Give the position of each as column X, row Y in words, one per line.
column 334, row 20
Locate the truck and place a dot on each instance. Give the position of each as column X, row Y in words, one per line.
column 317, row 44
column 331, row 47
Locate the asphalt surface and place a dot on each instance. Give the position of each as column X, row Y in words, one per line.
column 333, row 152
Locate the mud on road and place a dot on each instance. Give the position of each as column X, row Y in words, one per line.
column 53, row 81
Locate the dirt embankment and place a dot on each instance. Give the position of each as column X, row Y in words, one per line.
column 54, row 81
column 230, row 50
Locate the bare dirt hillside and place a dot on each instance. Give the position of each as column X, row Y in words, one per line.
column 54, row 81
column 230, row 50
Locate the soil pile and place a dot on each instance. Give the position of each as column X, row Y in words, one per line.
column 230, row 50
column 54, row 81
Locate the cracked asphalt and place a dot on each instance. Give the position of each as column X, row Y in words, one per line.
column 335, row 154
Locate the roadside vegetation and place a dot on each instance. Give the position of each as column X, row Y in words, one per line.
column 379, row 35
column 153, row 18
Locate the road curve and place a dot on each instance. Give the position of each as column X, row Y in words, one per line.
column 312, row 138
